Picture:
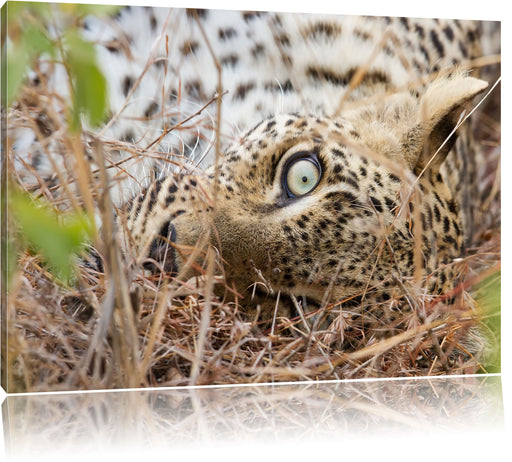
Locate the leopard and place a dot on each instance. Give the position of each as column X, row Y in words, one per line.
column 324, row 201
column 309, row 212
column 326, row 169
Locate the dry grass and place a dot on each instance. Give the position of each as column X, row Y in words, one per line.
column 122, row 329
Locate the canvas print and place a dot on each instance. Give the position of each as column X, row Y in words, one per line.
column 205, row 197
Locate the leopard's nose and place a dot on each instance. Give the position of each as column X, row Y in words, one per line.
column 162, row 252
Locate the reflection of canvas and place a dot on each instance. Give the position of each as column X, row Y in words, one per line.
column 190, row 419
column 217, row 197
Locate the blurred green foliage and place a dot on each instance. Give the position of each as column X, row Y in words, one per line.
column 32, row 34
column 58, row 237
column 488, row 297
column 52, row 31
column 89, row 95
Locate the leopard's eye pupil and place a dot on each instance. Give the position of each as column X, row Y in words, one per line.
column 301, row 176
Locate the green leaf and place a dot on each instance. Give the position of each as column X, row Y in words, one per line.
column 488, row 296
column 89, row 84
column 19, row 54
column 59, row 238
column 16, row 61
column 37, row 42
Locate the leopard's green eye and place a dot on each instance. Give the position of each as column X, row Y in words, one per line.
column 301, row 176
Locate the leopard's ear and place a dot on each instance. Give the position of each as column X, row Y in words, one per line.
column 440, row 109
